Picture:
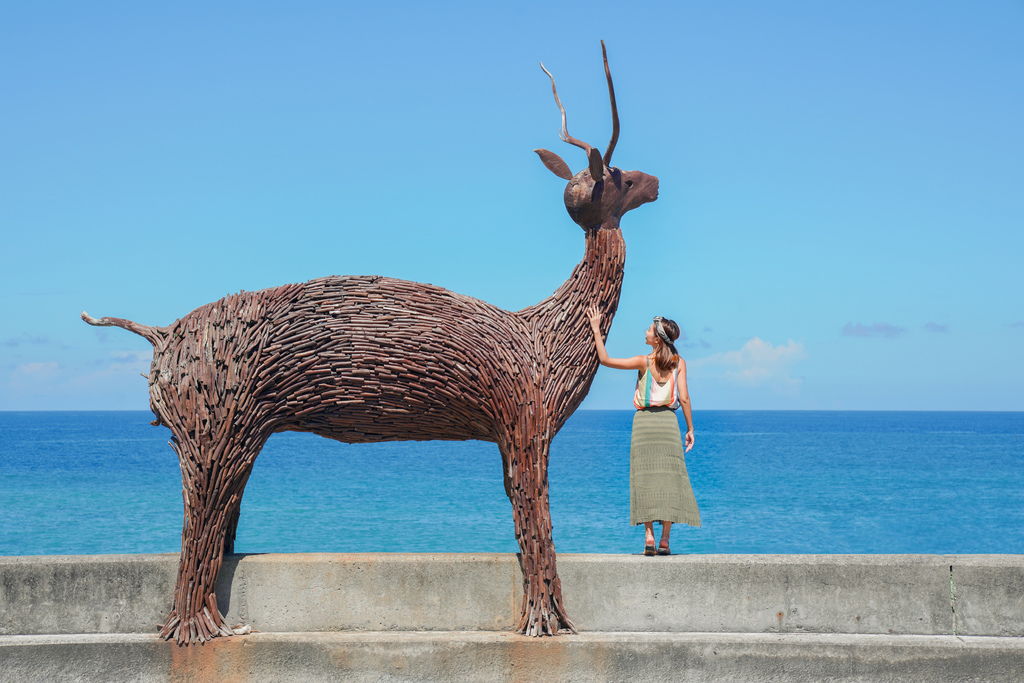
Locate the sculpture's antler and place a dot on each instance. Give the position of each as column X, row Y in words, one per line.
column 615, row 111
column 596, row 164
column 564, row 133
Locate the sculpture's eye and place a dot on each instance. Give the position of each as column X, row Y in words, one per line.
column 629, row 183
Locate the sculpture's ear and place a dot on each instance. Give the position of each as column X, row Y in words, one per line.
column 554, row 164
column 596, row 165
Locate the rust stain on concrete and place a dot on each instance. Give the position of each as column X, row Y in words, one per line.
column 222, row 659
column 533, row 659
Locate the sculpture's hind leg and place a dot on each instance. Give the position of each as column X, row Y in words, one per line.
column 543, row 612
column 214, row 473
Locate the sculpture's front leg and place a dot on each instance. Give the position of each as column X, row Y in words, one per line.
column 543, row 612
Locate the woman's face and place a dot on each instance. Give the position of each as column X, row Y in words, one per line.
column 651, row 335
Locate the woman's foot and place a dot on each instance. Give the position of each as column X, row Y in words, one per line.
column 666, row 529
column 649, row 547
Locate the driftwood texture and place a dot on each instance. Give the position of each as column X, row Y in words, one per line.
column 366, row 359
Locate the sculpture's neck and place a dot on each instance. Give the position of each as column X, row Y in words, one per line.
column 560, row 321
column 597, row 279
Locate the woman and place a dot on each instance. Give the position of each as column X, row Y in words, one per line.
column 659, row 488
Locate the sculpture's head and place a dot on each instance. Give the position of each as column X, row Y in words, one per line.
column 600, row 194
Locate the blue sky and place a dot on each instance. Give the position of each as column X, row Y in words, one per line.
column 839, row 226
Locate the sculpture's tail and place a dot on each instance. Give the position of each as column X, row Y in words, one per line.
column 154, row 335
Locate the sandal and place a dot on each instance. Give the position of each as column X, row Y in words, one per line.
column 649, row 549
column 663, row 549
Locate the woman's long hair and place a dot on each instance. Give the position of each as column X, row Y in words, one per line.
column 665, row 355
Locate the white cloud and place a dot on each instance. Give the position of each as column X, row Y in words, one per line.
column 33, row 377
column 37, row 370
column 122, row 363
column 52, row 385
column 136, row 357
column 757, row 363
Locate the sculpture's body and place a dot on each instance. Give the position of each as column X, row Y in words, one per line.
column 363, row 359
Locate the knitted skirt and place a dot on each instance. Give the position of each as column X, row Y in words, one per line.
column 659, row 488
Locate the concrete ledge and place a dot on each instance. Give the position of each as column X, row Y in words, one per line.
column 988, row 593
column 882, row 594
column 480, row 656
column 85, row 593
column 762, row 593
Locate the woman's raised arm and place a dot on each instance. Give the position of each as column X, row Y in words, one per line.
column 634, row 363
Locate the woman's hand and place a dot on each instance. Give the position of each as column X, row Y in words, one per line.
column 689, row 440
column 594, row 316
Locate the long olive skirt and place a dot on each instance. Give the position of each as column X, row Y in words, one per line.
column 659, row 488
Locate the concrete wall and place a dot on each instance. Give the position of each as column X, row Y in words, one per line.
column 856, row 594
column 390, row 617
column 490, row 656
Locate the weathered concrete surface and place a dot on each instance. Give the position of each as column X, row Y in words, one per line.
column 445, row 617
column 988, row 593
column 372, row 592
column 898, row 594
column 274, row 592
column 86, row 593
column 761, row 593
column 482, row 656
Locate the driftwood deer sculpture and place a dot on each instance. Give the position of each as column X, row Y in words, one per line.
column 367, row 359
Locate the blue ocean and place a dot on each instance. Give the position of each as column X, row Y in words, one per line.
column 766, row 482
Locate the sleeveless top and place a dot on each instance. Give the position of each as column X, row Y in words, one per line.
column 650, row 393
